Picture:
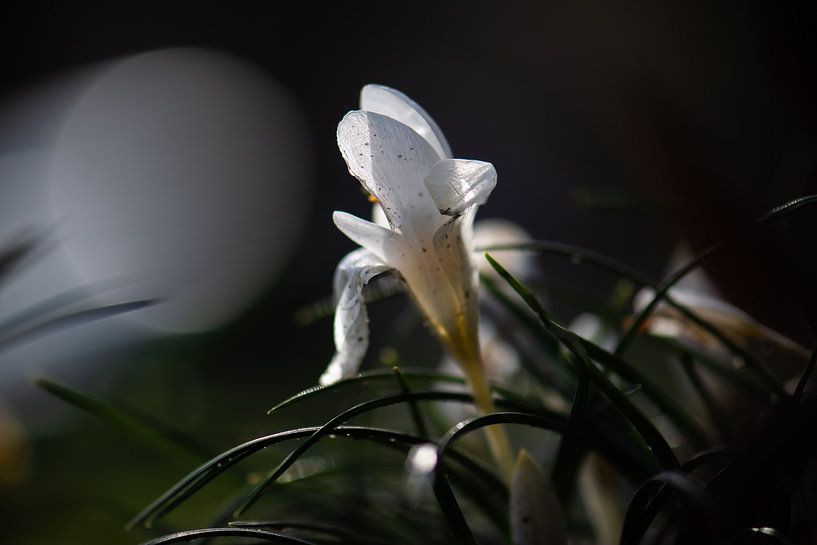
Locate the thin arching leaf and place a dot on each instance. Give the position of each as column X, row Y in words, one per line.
column 645, row 428
column 194, row 481
column 204, row 533
column 131, row 423
column 619, row 366
column 384, row 376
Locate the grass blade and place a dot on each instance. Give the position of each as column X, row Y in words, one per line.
column 72, row 319
column 136, row 425
column 643, row 426
column 194, row 481
column 206, row 533
column 345, row 416
column 650, row 496
column 622, row 368
column 384, row 375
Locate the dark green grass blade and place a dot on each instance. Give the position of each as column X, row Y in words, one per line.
column 442, row 490
column 788, row 207
column 138, row 426
column 345, row 534
column 801, row 384
column 641, row 423
column 609, row 361
column 660, row 294
column 72, row 319
column 569, row 453
column 708, row 455
column 345, row 417
column 581, row 255
column 203, row 474
column 646, row 502
column 709, row 401
column 750, row 385
column 386, row 376
column 194, row 481
column 14, row 254
column 416, row 415
column 51, row 305
column 206, row 533
column 200, row 476
column 674, row 278
column 451, row 511
column 531, row 323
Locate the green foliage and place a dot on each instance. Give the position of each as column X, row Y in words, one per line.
column 679, row 473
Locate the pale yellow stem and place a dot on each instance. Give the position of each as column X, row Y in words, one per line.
column 497, row 439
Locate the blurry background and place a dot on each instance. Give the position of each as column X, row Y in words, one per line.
column 189, row 154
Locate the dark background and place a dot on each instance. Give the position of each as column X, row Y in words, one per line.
column 705, row 116
column 622, row 127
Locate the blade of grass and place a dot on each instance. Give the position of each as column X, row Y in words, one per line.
column 703, row 393
column 582, row 255
column 442, row 490
column 72, row 319
column 205, row 533
column 664, row 287
column 14, row 254
column 649, row 497
column 384, row 375
column 452, row 512
column 135, row 425
column 309, row 526
column 345, row 416
column 747, row 384
column 645, row 428
column 194, row 481
column 801, row 384
column 60, row 301
column 621, row 367
column 416, row 416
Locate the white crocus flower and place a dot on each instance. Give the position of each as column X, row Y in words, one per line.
column 428, row 199
column 400, row 156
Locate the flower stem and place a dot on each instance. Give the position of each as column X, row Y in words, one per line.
column 497, row 439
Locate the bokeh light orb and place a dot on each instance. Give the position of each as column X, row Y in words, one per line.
column 186, row 173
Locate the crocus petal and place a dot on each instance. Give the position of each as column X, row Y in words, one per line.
column 536, row 515
column 457, row 184
column 351, row 320
column 391, row 161
column 394, row 104
column 455, row 255
column 378, row 216
column 375, row 238
column 452, row 248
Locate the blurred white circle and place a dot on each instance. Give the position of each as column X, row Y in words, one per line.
column 186, row 172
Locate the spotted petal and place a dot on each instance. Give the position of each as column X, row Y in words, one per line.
column 394, row 104
column 351, row 320
column 391, row 161
column 458, row 184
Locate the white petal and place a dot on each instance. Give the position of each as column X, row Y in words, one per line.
column 536, row 515
column 392, row 103
column 391, row 161
column 371, row 236
column 457, row 184
column 351, row 326
column 378, row 216
column 452, row 248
